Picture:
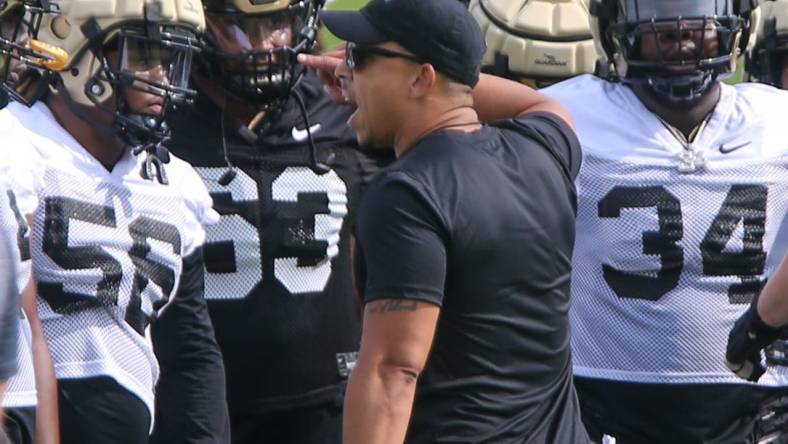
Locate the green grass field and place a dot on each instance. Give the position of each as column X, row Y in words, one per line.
column 327, row 40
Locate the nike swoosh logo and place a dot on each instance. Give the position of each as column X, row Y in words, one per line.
column 301, row 135
column 729, row 149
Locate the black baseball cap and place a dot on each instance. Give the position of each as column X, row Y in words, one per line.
column 440, row 32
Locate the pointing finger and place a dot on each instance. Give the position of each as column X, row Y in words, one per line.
column 320, row 62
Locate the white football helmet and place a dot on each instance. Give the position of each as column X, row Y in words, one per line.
column 20, row 51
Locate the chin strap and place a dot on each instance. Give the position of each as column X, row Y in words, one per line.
column 153, row 166
column 157, row 153
column 137, row 131
column 679, row 90
column 319, row 167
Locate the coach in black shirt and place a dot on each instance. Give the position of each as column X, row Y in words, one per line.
column 464, row 243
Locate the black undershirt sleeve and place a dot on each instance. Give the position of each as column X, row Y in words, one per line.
column 191, row 405
column 403, row 242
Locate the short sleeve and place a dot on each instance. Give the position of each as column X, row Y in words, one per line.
column 554, row 134
column 24, row 175
column 402, row 240
column 199, row 203
column 199, row 199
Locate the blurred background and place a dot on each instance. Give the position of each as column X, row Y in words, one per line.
column 327, row 40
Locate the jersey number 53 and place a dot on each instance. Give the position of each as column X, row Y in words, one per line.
column 314, row 233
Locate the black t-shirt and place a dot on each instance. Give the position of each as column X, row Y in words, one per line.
column 482, row 224
column 283, row 306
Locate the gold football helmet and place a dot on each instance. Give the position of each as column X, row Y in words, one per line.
column 538, row 42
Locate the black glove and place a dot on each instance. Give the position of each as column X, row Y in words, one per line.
column 771, row 425
column 745, row 342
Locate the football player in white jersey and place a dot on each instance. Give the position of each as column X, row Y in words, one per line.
column 683, row 197
column 30, row 400
column 117, row 226
column 9, row 297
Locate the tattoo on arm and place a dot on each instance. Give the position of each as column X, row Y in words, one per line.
column 392, row 305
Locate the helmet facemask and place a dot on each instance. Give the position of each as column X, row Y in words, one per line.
column 148, row 69
column 677, row 49
column 253, row 56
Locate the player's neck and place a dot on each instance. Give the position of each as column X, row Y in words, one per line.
column 420, row 125
column 103, row 146
column 684, row 118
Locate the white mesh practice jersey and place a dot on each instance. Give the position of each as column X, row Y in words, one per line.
column 672, row 241
column 21, row 388
column 107, row 250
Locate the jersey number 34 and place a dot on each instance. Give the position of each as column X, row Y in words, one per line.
column 745, row 204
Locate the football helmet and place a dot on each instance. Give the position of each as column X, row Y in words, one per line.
column 765, row 61
column 19, row 51
column 685, row 74
column 115, row 46
column 251, row 47
column 537, row 42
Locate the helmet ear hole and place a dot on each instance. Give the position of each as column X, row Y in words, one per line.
column 61, row 27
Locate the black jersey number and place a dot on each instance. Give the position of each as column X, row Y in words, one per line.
column 59, row 212
column 143, row 229
column 743, row 203
column 661, row 243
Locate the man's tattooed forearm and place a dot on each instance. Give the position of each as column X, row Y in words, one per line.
column 392, row 305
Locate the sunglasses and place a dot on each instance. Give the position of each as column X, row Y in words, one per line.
column 357, row 56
